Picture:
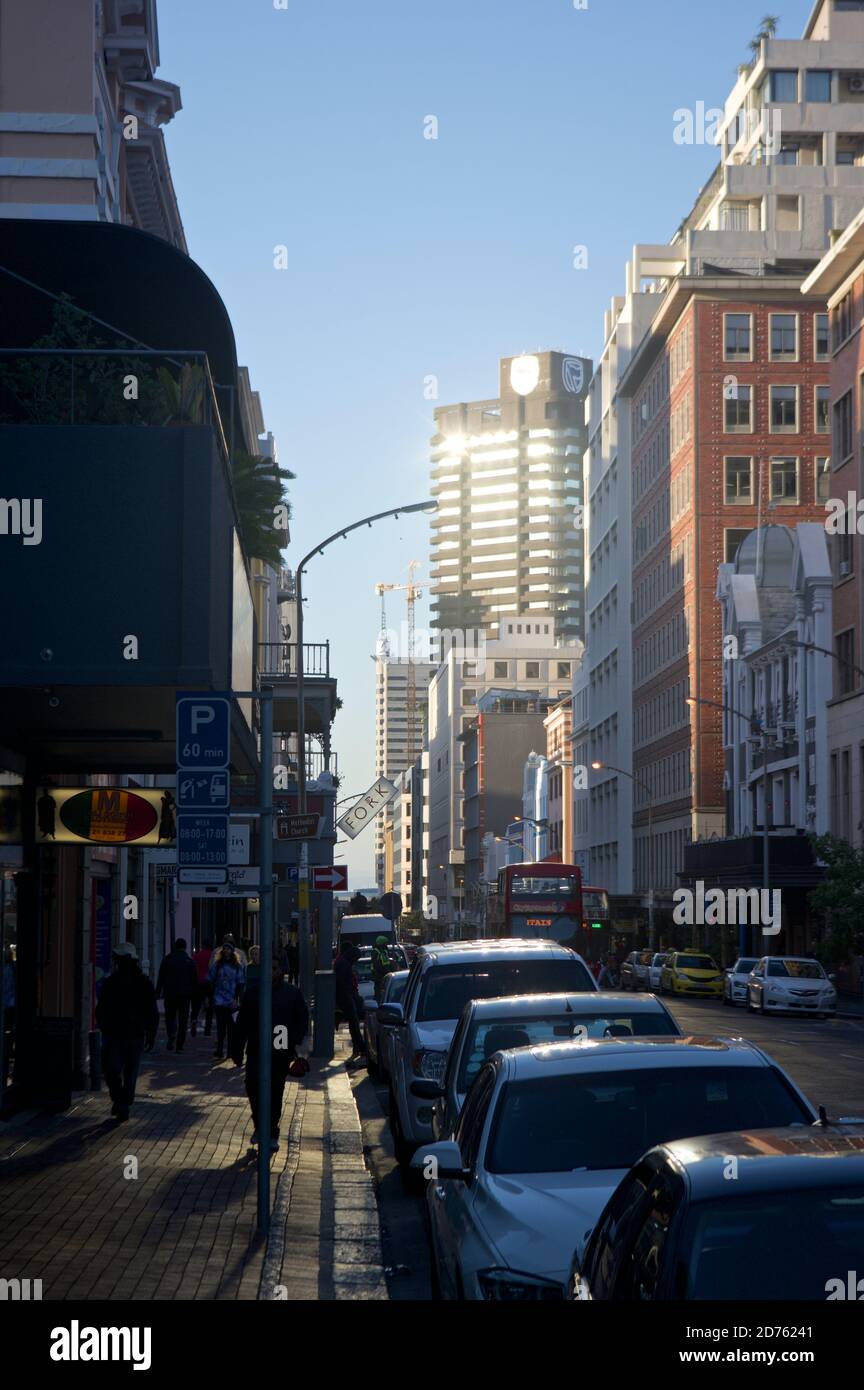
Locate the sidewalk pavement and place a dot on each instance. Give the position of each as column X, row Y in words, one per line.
column 164, row 1206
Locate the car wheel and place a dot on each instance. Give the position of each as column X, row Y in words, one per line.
column 726, row 1000
column 762, row 1004
column 372, row 1068
column 402, row 1150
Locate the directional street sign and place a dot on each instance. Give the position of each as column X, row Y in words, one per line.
column 203, row 732
column 327, row 878
column 364, row 811
column 203, row 791
column 298, row 827
column 202, row 840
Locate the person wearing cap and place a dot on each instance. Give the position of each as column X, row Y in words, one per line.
column 128, row 1018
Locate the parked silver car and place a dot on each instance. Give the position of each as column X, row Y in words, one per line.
column 634, row 970
column 440, row 984
column 378, row 1037
column 547, row 1134
column 488, row 1026
column 658, row 960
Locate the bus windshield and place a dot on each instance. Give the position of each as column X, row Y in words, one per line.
column 549, row 886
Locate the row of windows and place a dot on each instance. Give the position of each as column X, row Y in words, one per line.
column 662, row 714
column 664, row 780
column 654, row 526
column 667, row 644
column 681, row 424
column 652, row 398
column 681, row 353
column 664, row 579
column 653, row 462
column 784, row 409
column 606, row 609
column 785, row 483
column 784, row 338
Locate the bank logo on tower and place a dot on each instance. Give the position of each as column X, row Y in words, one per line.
column 573, row 375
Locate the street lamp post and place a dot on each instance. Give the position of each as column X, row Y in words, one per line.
column 640, row 782
column 759, row 731
column 324, row 1008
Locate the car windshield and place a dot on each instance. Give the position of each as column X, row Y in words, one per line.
column 363, row 968
column 561, row 1124
column 796, row 969
column 549, row 886
column 743, row 967
column 772, row 1229
column 694, row 963
column 496, row 1035
column 446, row 989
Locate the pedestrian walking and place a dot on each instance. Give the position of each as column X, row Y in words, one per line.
column 226, row 975
column 127, row 1017
column 347, row 995
column 8, row 1010
column 253, row 969
column 203, row 989
column 176, row 983
column 290, row 1026
column 609, row 977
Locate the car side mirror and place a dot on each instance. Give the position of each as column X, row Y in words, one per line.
column 442, row 1160
column 832, row 978
column 426, row 1090
column 392, row 1014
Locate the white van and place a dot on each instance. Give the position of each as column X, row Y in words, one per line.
column 364, row 928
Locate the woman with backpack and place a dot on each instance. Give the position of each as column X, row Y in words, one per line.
column 227, row 976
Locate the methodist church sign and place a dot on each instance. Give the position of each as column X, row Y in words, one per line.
column 104, row 816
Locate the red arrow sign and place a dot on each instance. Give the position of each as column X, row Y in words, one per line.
column 329, row 879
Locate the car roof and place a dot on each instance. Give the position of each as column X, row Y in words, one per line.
column 793, row 1157
column 802, row 960
column 511, row 948
column 619, row 1054
column 585, row 1001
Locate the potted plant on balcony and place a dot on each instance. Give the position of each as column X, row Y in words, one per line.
column 258, row 492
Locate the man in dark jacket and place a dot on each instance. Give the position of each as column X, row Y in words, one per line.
column 290, row 1026
column 128, row 1017
column 346, row 994
column 176, row 984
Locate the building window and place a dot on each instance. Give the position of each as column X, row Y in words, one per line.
column 784, row 337
column 823, row 479
column 843, row 427
column 784, row 480
column 788, row 154
column 563, row 670
column 788, row 214
column 732, row 541
column 843, row 320
column 823, row 409
column 821, row 337
column 843, row 550
column 501, row 670
column 845, row 649
column 784, row 409
column 783, row 85
column 739, row 410
column 817, row 86
column 739, row 481
column 738, row 337
column 469, row 670
column 532, row 670
column 468, row 696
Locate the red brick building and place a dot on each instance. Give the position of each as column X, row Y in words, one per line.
column 840, row 278
column 730, row 405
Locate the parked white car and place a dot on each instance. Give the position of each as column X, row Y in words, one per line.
column 440, row 984
column 791, row 984
column 735, row 988
column 547, row 1133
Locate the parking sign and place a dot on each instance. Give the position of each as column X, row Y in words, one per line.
column 203, row 732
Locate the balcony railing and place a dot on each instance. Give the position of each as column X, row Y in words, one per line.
column 280, row 659
column 111, row 386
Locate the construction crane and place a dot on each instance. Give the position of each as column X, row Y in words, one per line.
column 412, row 591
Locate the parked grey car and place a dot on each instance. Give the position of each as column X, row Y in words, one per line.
column 440, row 984
column 634, row 970
column 488, row 1026
column 378, row 1037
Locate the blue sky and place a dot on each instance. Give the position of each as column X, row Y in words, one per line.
column 409, row 257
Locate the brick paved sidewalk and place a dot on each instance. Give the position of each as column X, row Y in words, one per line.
column 73, row 1214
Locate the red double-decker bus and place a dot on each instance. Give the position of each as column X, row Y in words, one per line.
column 538, row 900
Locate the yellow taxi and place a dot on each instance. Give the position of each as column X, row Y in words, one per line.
column 691, row 972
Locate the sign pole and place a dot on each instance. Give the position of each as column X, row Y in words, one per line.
column 265, row 993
